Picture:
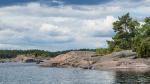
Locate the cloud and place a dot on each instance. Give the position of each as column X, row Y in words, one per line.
column 54, row 30
column 43, row 26
column 100, row 25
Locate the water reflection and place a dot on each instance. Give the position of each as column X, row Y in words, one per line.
column 132, row 77
column 32, row 74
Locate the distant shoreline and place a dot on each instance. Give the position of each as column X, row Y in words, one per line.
column 123, row 60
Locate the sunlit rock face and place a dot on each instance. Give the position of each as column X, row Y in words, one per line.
column 74, row 59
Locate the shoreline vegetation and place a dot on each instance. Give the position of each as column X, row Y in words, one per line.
column 128, row 49
column 20, row 55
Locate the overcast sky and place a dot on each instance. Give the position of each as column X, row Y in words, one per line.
column 63, row 24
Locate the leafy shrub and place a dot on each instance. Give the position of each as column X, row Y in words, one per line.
column 102, row 51
column 144, row 49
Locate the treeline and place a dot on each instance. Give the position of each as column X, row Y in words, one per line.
column 130, row 35
column 37, row 53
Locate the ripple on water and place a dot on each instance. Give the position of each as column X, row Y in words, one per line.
column 32, row 74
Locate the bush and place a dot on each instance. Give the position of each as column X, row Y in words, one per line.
column 102, row 51
column 117, row 49
column 144, row 49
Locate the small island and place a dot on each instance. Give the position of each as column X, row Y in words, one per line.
column 128, row 49
column 74, row 41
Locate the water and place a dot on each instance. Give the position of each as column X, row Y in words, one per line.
column 32, row 74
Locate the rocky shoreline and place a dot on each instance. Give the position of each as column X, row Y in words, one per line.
column 123, row 60
column 89, row 60
column 22, row 59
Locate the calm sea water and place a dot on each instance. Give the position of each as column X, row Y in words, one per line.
column 32, row 74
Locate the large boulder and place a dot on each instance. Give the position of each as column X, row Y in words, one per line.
column 71, row 59
column 85, row 64
column 29, row 60
column 25, row 59
column 124, row 53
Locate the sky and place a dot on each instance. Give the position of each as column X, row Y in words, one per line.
column 63, row 24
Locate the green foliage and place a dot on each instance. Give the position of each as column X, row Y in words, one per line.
column 4, row 54
column 142, row 40
column 144, row 49
column 125, row 29
column 117, row 49
column 111, row 45
column 131, row 35
column 102, row 51
column 36, row 53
